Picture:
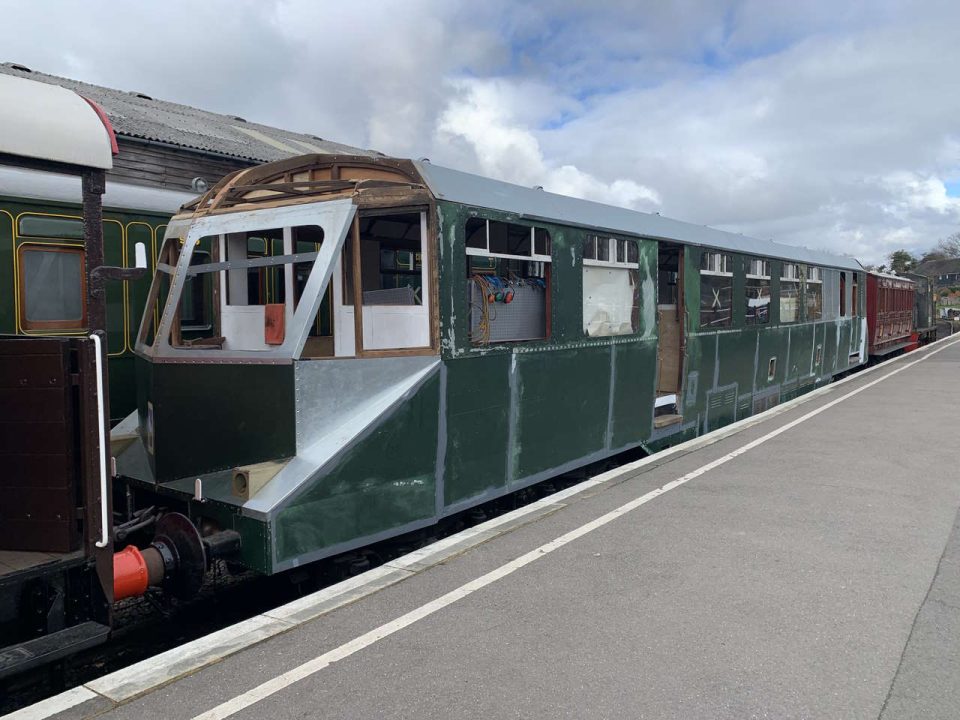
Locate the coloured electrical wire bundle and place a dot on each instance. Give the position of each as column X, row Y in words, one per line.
column 494, row 289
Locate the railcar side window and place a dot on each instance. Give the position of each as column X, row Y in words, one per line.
column 52, row 287
column 611, row 288
column 716, row 290
column 508, row 281
column 790, row 293
column 758, row 292
column 813, row 293
column 854, row 307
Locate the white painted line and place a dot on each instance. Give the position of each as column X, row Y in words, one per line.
column 52, row 706
column 275, row 685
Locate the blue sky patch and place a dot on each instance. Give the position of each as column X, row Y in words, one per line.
column 953, row 188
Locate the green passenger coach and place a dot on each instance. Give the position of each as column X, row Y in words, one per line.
column 42, row 279
column 433, row 339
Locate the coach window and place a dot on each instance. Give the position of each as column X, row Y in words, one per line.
column 50, row 226
column 508, row 281
column 758, row 292
column 813, row 293
column 52, row 287
column 716, row 290
column 790, row 293
column 611, row 292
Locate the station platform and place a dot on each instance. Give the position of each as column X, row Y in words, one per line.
column 801, row 564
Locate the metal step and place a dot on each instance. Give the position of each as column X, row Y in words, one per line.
column 42, row 650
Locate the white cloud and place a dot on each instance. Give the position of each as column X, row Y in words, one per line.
column 483, row 115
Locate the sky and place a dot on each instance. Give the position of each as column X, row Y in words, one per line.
column 833, row 125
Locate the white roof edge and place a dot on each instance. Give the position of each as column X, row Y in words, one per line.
column 469, row 189
column 47, row 122
column 59, row 187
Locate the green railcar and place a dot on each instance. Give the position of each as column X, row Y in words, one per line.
column 505, row 335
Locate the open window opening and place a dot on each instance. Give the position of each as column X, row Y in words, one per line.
column 508, row 281
column 387, row 257
column 241, row 289
column 813, row 293
column 790, row 293
column 611, row 287
column 52, row 284
column 670, row 340
column 716, row 290
column 757, row 292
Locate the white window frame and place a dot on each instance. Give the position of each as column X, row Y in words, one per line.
column 721, row 267
column 485, row 251
column 814, row 274
column 759, row 270
column 612, row 245
column 791, row 272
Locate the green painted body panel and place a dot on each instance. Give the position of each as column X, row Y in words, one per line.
column 478, row 426
column 208, row 418
column 562, row 408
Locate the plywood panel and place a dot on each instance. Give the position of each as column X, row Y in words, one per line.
column 668, row 349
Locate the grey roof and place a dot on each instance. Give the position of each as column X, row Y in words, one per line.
column 932, row 268
column 475, row 190
column 136, row 115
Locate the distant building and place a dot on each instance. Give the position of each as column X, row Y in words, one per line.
column 944, row 273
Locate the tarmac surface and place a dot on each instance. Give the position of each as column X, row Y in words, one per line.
column 806, row 566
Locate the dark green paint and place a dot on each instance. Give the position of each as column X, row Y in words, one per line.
column 215, row 417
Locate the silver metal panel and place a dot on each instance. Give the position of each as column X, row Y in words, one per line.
column 470, row 189
column 337, row 402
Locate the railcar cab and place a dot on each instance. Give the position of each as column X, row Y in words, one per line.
column 265, row 271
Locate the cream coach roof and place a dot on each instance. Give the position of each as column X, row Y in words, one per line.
column 47, row 122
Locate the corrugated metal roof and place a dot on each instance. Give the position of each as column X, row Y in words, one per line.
column 483, row 192
column 136, row 115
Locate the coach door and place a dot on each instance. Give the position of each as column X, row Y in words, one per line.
column 670, row 333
